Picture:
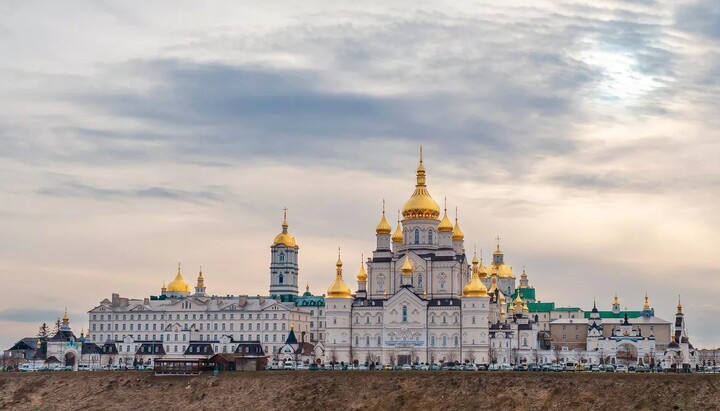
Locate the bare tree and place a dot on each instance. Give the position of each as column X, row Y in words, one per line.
column 535, row 355
column 392, row 358
column 557, row 354
column 332, row 356
column 515, row 356
column 492, row 355
column 471, row 356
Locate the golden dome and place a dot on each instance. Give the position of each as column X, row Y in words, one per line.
column 457, row 232
column 407, row 267
column 505, row 271
column 525, row 308
column 421, row 205
column 178, row 285
column 501, row 297
column 475, row 261
column 163, row 288
column 445, row 224
column 339, row 289
column 518, row 302
column 502, row 311
column 616, row 300
column 646, row 306
column 679, row 306
column 362, row 275
column 475, row 287
column 284, row 238
column 397, row 236
column 65, row 317
column 511, row 309
column 383, row 227
column 493, row 285
column 482, row 270
column 200, row 279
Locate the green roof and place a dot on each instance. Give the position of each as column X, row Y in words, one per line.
column 540, row 307
column 621, row 314
column 526, row 293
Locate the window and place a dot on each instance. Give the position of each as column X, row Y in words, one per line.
column 444, row 341
column 430, row 236
column 404, row 313
column 280, row 279
column 417, row 236
column 525, row 341
column 456, row 341
column 378, row 340
column 357, row 341
column 367, row 340
column 432, row 341
column 419, row 282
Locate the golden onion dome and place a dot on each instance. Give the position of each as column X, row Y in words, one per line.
column 475, row 287
column 458, row 235
column 505, row 271
column 383, row 227
column 284, row 238
column 178, row 285
column 493, row 285
column 511, row 309
column 616, row 300
column 502, row 311
column 518, row 301
column 407, row 267
column 646, row 306
column 421, row 205
column 362, row 275
column 679, row 306
column 482, row 270
column 445, row 224
column 525, row 308
column 475, row 260
column 339, row 289
column 501, row 297
column 200, row 279
column 397, row 236
column 66, row 318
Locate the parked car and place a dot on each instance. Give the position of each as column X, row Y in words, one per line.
column 621, row 368
column 288, row 365
column 534, row 367
column 301, row 367
column 27, row 367
column 470, row 367
column 506, row 367
column 406, row 367
column 494, row 367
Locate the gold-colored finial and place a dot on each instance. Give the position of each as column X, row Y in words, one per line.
column 421, row 159
column 285, row 223
column 498, row 242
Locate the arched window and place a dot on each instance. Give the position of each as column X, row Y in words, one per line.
column 444, row 341
column 378, row 341
column 282, row 257
column 417, row 236
column 357, row 340
column 525, row 341
column 473, row 320
column 280, row 279
column 430, row 236
column 367, row 340
column 432, row 341
column 419, row 282
column 334, row 320
column 456, row 340
column 404, row 313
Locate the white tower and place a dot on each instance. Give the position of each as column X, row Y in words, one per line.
column 475, row 312
column 338, row 305
column 284, row 263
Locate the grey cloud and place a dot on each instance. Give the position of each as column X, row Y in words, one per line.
column 77, row 189
column 30, row 315
column 702, row 16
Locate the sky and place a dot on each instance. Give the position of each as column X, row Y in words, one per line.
column 134, row 135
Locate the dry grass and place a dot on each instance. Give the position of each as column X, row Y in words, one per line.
column 384, row 390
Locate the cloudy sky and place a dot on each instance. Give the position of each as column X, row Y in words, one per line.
column 134, row 135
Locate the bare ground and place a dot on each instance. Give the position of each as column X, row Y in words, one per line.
column 383, row 390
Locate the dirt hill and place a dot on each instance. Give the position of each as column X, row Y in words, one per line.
column 396, row 390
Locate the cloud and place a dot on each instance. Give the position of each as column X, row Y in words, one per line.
column 702, row 16
column 80, row 190
column 30, row 315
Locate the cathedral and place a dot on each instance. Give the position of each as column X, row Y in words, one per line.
column 421, row 300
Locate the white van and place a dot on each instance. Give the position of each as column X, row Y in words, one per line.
column 27, row 367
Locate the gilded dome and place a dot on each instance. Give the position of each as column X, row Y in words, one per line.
column 616, row 300
column 407, row 267
column 475, row 287
column 445, row 225
column 339, row 289
column 505, row 271
column 383, row 227
column 458, row 235
column 397, row 236
column 482, row 270
column 362, row 275
column 421, row 205
column 493, row 284
column 284, row 238
column 178, row 285
column 646, row 306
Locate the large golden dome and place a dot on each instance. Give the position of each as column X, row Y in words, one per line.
column 339, row 289
column 178, row 285
column 421, row 205
column 285, row 238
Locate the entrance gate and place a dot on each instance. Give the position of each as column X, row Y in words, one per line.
column 403, row 359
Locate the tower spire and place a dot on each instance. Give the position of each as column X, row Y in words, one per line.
column 285, row 223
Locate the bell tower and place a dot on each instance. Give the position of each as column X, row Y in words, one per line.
column 284, row 267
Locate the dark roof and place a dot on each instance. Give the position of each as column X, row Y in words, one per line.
column 368, row 303
column 109, row 348
column 200, row 349
column 63, row 336
column 91, row 348
column 151, row 348
column 25, row 344
column 382, row 259
column 442, row 302
column 52, row 360
column 291, row 339
column 250, row 349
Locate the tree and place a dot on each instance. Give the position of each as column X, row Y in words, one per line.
column 43, row 331
column 557, row 354
column 535, row 355
column 515, row 356
column 492, row 355
column 57, row 326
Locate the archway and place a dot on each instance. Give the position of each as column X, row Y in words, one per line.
column 626, row 354
column 71, row 360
